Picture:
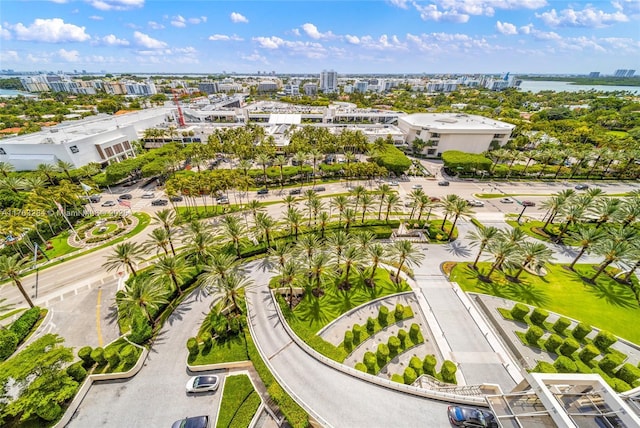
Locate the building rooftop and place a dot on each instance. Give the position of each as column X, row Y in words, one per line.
column 454, row 121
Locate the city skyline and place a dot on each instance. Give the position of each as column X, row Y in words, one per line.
column 396, row 36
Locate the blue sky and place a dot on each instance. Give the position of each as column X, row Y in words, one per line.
column 394, row 36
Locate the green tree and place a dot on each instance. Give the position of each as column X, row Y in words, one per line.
column 171, row 269
column 11, row 267
column 482, row 237
column 124, row 255
column 405, row 253
column 141, row 294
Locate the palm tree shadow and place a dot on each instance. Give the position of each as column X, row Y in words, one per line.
column 614, row 294
column 457, row 249
column 178, row 313
column 315, row 312
column 527, row 293
column 492, row 288
column 112, row 314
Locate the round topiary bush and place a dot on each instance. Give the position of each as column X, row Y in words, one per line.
column 409, row 376
column 77, row 372
column 429, row 365
column 628, row 373
column 552, row 343
column 402, row 335
column 519, row 311
column 581, row 330
column 348, row 340
column 112, row 357
column 564, row 365
column 397, row 378
column 84, row 354
column 561, row 325
column 382, row 354
column 192, row 346
column 97, row 355
column 533, row 334
column 361, row 367
column 383, row 316
column 398, row 313
column 394, row 346
column 416, row 364
column 568, row 347
column 357, row 334
column 371, row 325
column 610, row 362
column 588, row 353
column 604, row 340
column 8, row 343
column 369, row 361
column 448, row 371
column 129, row 355
column 538, row 316
column 414, row 332
column 544, row 367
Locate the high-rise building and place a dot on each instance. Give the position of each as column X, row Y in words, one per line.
column 328, row 81
column 594, row 74
column 621, row 72
column 630, row 73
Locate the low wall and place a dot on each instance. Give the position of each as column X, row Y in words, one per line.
column 219, row 366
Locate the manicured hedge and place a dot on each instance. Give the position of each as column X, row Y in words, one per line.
column 383, row 316
column 409, row 376
column 564, row 365
column 538, row 316
column 588, row 353
column 429, row 365
column 394, row 346
column 519, row 311
column 448, row 371
column 84, row 354
column 192, row 346
column 348, row 340
column 568, row 347
column 455, row 160
column 533, row 334
column 552, row 342
column 8, row 343
column 561, row 325
column 416, row 364
column 23, row 325
column 628, row 373
column 544, row 367
column 97, row 355
column 610, row 361
column 393, row 160
column 581, row 330
column 603, row 340
column 77, row 371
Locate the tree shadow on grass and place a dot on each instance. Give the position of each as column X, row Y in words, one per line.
column 493, row 289
column 314, row 311
column 613, row 293
column 527, row 293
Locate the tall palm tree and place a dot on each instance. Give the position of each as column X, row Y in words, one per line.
column 393, row 203
column 573, row 213
column 363, row 240
column 265, row 224
column 308, row 245
column 406, row 253
column 158, row 240
column 290, row 200
column 376, row 254
column 172, row 268
column 47, row 170
column 264, row 160
column 482, row 237
column 341, row 203
column 501, row 250
column 287, row 274
column 357, row 193
column 234, row 230
column 199, row 246
column 383, row 191
column 11, row 267
column 218, row 268
column 612, row 251
column 232, row 288
column 6, row 168
column 367, row 201
column 604, row 210
column 323, row 221
column 166, row 218
column 629, row 211
column 585, row 238
column 337, row 242
column 532, row 254
column 141, row 294
column 322, row 269
column 125, row 255
column 414, row 197
column 294, row 219
column 349, row 218
column 458, row 209
column 255, row 207
column 279, row 254
column 447, row 204
column 310, row 196
column 280, row 161
column 555, row 204
column 65, row 167
column 315, row 155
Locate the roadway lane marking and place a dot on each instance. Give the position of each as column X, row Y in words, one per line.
column 281, row 349
column 98, row 318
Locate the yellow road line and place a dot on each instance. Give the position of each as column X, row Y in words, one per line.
column 98, row 318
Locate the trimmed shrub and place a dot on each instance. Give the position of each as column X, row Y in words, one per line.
column 382, row 354
column 519, row 311
column 416, row 364
column 568, row 347
column 610, row 362
column 141, row 330
column 581, row 330
column 409, row 376
column 397, row 378
column 129, row 354
column 206, row 340
column 561, row 325
column 357, row 334
column 97, row 355
column 23, row 325
column 348, row 340
column 533, row 334
column 402, row 335
column 77, row 372
column 192, row 346
column 84, row 354
column 398, row 313
column 544, row 367
column 552, row 343
column 414, row 332
column 369, row 361
column 393, row 159
column 429, row 365
column 582, row 367
column 394, row 346
column 538, row 316
column 448, row 371
column 383, row 316
column 371, row 325
column 564, row 365
column 8, row 343
column 588, row 353
column 361, row 367
column 49, row 411
column 628, row 373
column 603, row 340
column 619, row 385
column 112, row 357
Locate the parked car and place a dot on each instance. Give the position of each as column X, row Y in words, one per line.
column 159, row 202
column 506, row 200
column 203, row 383
column 175, row 198
column 148, row 195
column 263, row 191
column 443, row 183
column 319, row 189
column 109, row 204
column 528, row 204
column 125, row 196
column 461, row 416
column 222, row 200
column 581, row 187
column 417, row 186
column 294, row 191
column 192, row 422
column 95, row 198
column 434, row 199
column 394, row 183
column 475, row 203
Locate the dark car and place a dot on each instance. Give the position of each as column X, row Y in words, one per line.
column 125, row 196
column 319, row 189
column 528, row 204
column 471, row 417
column 443, row 183
column 175, row 198
column 159, row 202
column 95, row 198
column 294, row 191
column 192, row 422
column 581, row 187
column 263, row 191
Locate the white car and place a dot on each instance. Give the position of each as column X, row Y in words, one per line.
column 506, row 200
column 475, row 203
column 203, row 383
column 417, row 186
column 148, row 195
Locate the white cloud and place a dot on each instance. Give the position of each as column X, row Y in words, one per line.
column 116, row 4
column 4, row 33
column 526, row 29
column 506, row 28
column 225, row 38
column 51, row 31
column 179, row 21
column 155, row 25
column 69, row 56
column 272, row 42
column 6, row 56
column 544, row 35
column 383, row 42
column 255, row 57
column 112, row 40
column 431, row 12
column 145, row 41
column 588, row 17
column 237, row 18
column 295, row 32
column 199, row 20
column 354, row 40
column 459, row 11
column 312, row 50
column 312, row 31
column 402, row 4
column 96, row 18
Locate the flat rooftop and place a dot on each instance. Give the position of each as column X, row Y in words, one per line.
column 454, row 121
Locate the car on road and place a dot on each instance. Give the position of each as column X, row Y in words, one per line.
column 192, row 422
column 203, row 383
column 443, row 183
column 394, row 183
column 109, row 204
column 528, row 204
column 95, row 198
column 506, row 200
column 434, row 199
column 417, row 186
column 263, row 191
column 294, row 191
column 175, row 198
column 222, row 200
column 148, row 195
column 462, row 416
column 159, row 202
column 319, row 189
column 125, row 196
column 581, row 187
column 475, row 203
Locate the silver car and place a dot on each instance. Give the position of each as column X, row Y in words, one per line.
column 203, row 383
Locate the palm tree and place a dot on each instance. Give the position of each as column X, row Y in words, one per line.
column 501, row 250
column 612, row 251
column 33, row 182
column 124, row 255
column 424, row 202
column 555, row 204
column 337, row 242
column 414, row 196
column 265, row 224
column 264, row 160
column 290, row 200
column 349, row 218
column 199, row 246
column 357, row 193
column 141, row 294
column 310, row 196
column 393, row 203
column 65, row 167
column 293, row 219
column 363, row 240
column 341, row 203
column 232, row 288
column 280, row 161
column 585, row 238
column 234, row 230
column 173, row 268
column 308, row 244
column 532, row 254
column 321, row 269
column 13, row 183
column 255, row 207
column 407, row 254
column 323, row 221
column 11, row 267
column 458, row 209
column 572, row 214
column 604, row 210
column 6, row 168
column 219, row 266
column 383, row 191
column 158, row 240
column 447, row 204
column 48, row 170
column 287, row 274
column 376, row 253
column 629, row 211
column 353, row 259
column 482, row 236
column 166, row 218
column 279, row 254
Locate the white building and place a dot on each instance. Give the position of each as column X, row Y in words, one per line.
column 329, row 81
column 454, row 131
column 103, row 139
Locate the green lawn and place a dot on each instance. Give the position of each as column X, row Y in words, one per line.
column 239, row 402
column 60, row 246
column 230, row 350
column 607, row 304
